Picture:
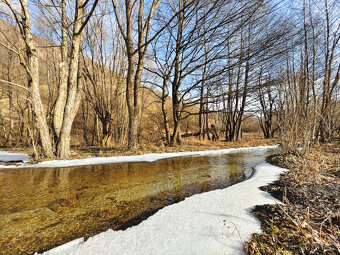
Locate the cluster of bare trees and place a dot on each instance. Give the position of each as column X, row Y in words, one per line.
column 300, row 96
column 69, row 84
column 211, row 63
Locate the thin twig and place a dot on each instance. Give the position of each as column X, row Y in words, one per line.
column 225, row 222
column 14, row 84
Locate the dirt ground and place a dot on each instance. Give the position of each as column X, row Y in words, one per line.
column 308, row 220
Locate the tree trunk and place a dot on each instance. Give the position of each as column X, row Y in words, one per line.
column 74, row 85
column 133, row 119
column 74, row 88
column 165, row 115
column 10, row 113
column 71, row 108
column 32, row 70
column 59, row 107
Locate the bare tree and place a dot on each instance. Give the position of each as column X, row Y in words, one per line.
column 69, row 92
column 104, row 78
column 308, row 94
column 74, row 87
column 31, row 66
column 267, row 99
column 331, row 70
column 135, row 55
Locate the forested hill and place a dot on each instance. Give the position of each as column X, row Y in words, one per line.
column 121, row 74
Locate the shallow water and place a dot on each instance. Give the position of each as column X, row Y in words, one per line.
column 44, row 207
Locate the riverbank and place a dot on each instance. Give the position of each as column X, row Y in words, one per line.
column 149, row 157
column 188, row 144
column 308, row 222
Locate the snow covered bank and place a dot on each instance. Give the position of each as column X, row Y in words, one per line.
column 7, row 157
column 216, row 222
column 138, row 158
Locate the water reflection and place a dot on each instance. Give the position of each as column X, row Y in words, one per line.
column 42, row 208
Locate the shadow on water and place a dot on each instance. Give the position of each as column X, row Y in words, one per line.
column 44, row 207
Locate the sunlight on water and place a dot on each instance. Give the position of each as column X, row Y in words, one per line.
column 44, row 207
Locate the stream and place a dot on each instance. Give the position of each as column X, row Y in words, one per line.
column 42, row 208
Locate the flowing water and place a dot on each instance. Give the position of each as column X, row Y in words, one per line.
column 44, row 207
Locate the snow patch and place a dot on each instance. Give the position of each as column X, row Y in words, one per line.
column 7, row 157
column 216, row 222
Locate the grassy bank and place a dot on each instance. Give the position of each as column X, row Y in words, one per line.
column 188, row 144
column 309, row 219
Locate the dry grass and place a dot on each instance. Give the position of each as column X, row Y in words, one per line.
column 320, row 165
column 189, row 144
column 284, row 235
column 309, row 221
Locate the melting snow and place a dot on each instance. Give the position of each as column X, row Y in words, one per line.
column 6, row 157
